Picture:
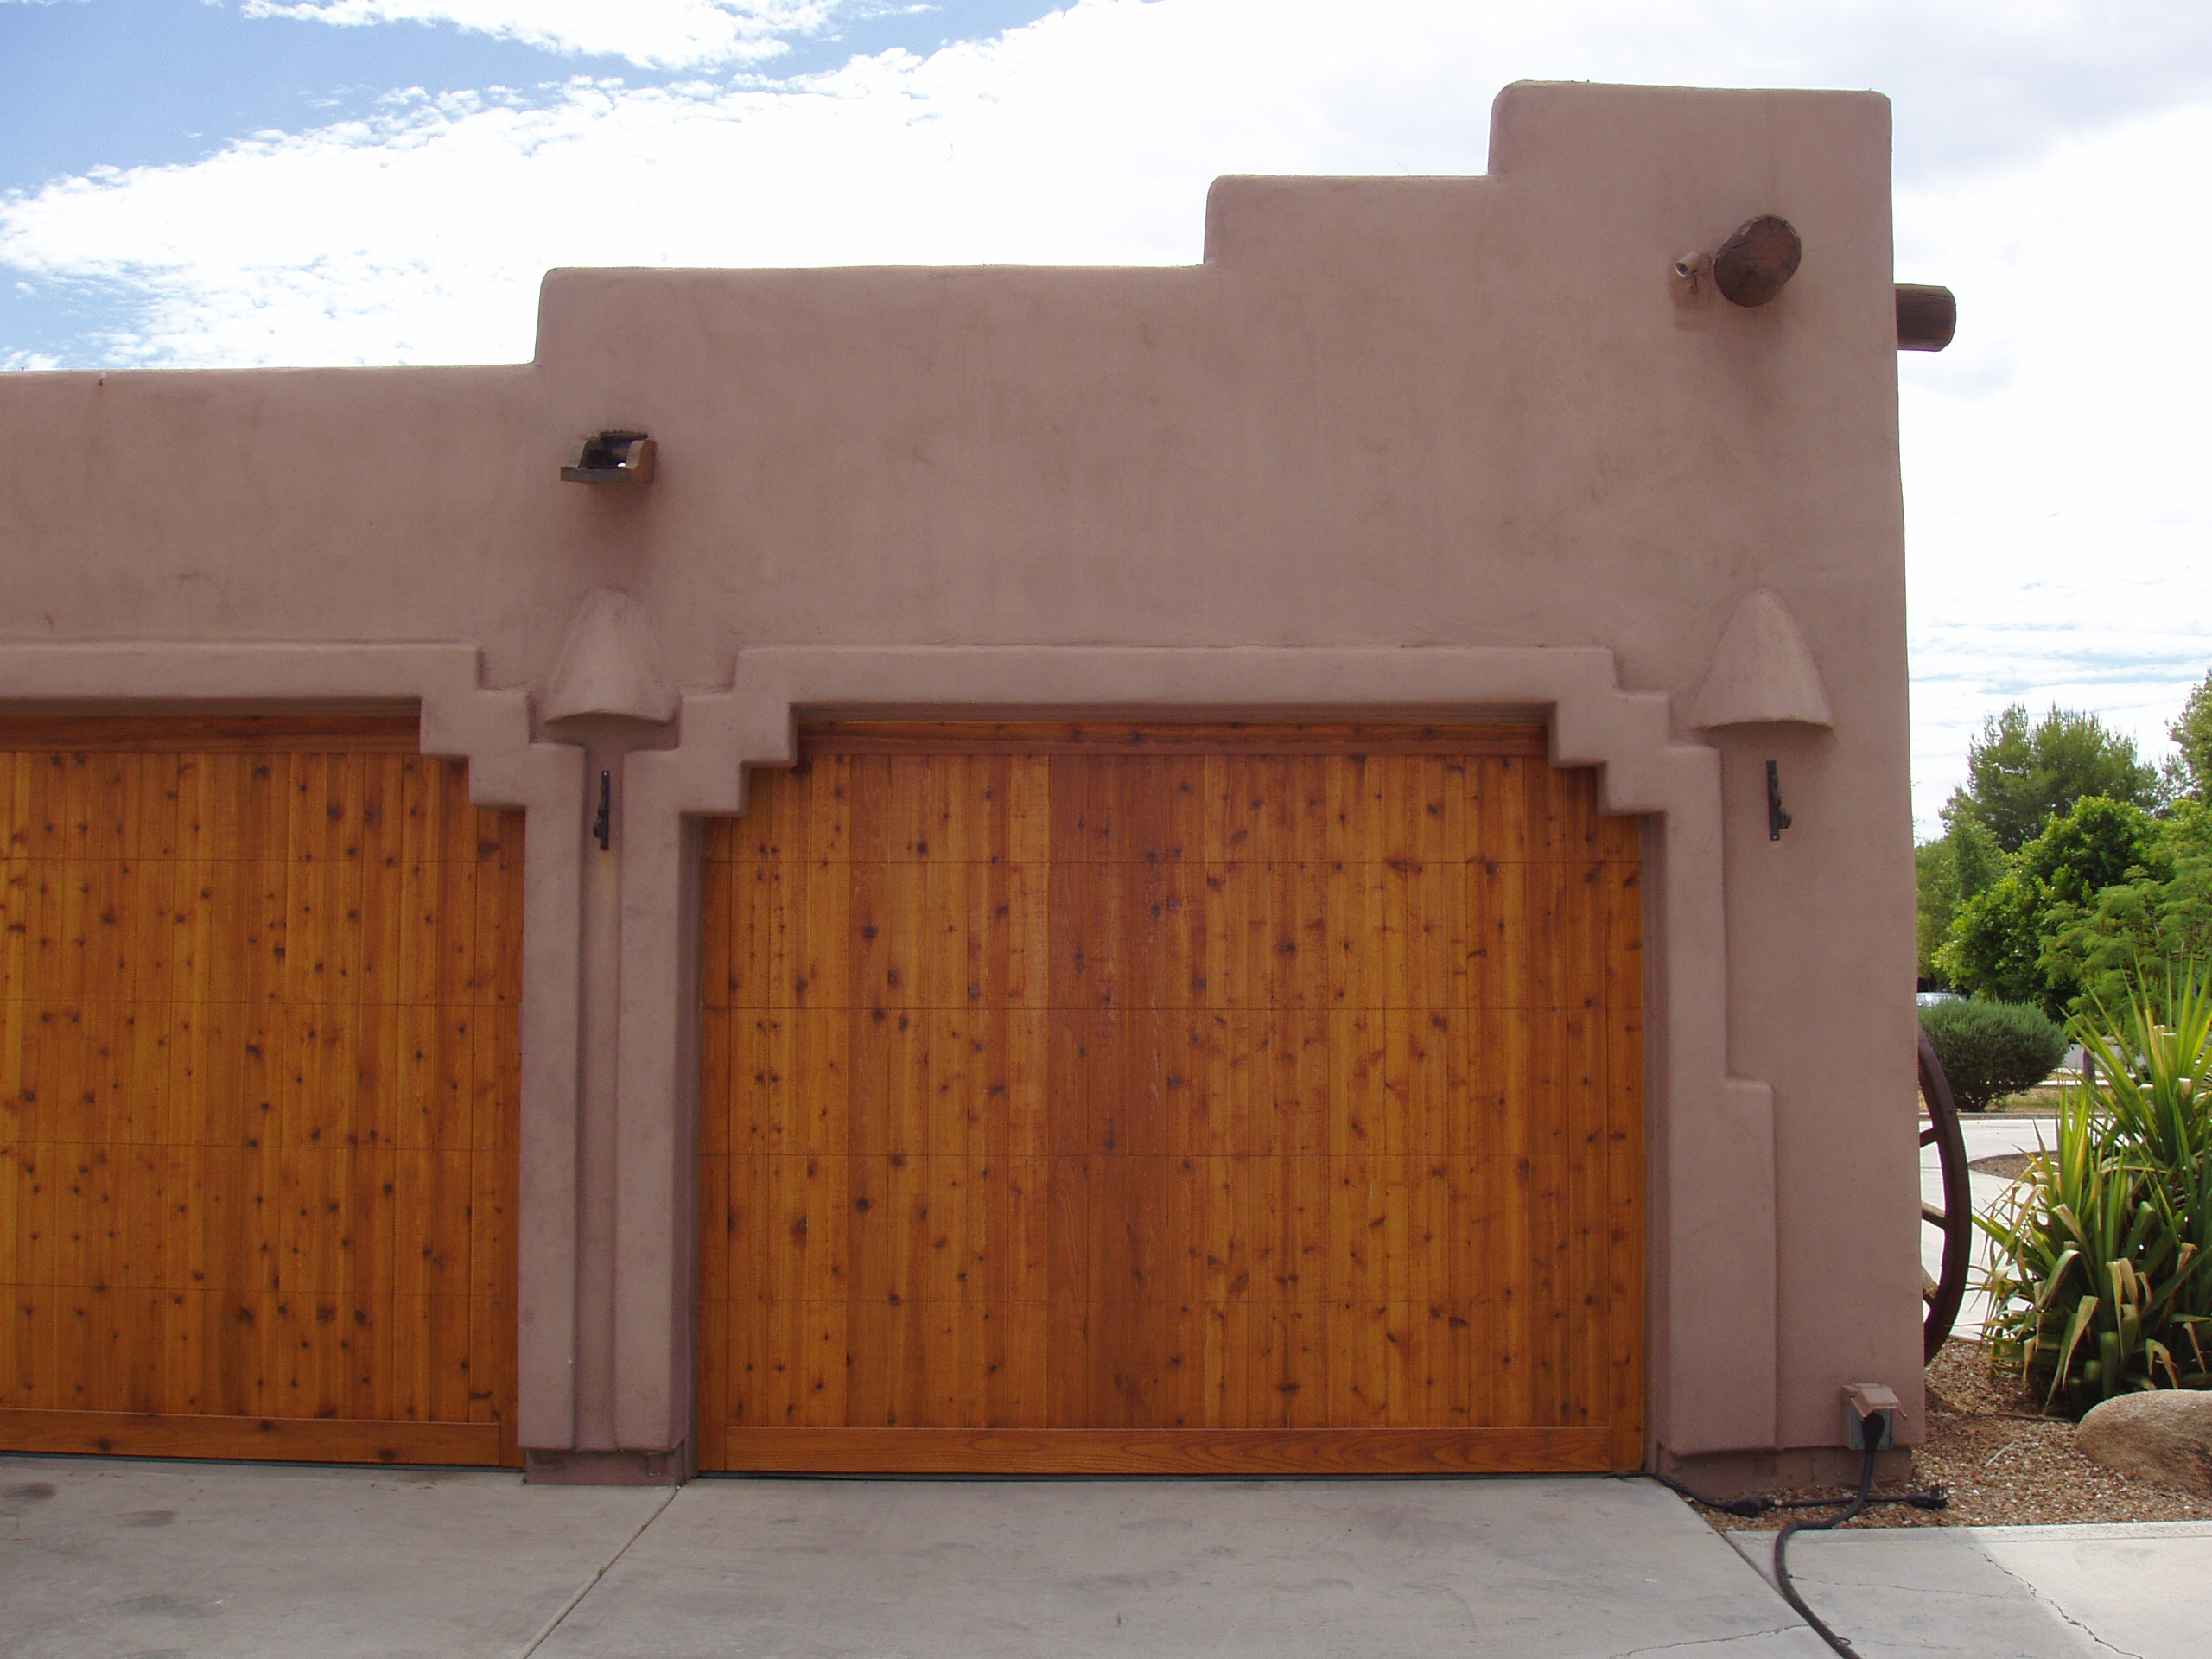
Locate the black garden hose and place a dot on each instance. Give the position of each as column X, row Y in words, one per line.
column 1931, row 1498
column 1782, row 1546
column 1742, row 1506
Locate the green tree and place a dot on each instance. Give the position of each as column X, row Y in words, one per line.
column 2019, row 776
column 1947, row 871
column 2135, row 936
column 2189, row 774
column 1997, row 945
column 1938, row 901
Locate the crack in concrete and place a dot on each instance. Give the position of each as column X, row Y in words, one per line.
column 2037, row 1595
column 1709, row 1641
column 592, row 1583
column 1894, row 1589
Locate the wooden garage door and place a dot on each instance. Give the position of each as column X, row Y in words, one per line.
column 1172, row 1099
column 259, row 988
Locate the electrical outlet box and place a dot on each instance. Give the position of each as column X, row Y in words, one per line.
column 1869, row 1408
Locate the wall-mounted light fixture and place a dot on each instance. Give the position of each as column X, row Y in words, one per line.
column 613, row 458
column 1763, row 676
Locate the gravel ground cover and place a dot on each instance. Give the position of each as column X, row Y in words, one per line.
column 2003, row 1464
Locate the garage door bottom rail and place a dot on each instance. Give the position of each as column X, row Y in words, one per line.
column 1579, row 1450
column 279, row 1439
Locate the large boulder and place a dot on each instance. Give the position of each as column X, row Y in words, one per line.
column 2164, row 1438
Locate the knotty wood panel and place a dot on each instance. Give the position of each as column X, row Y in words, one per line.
column 259, row 987
column 267, row 1440
column 1116, row 1097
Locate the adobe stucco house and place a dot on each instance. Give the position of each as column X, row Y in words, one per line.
column 1183, row 881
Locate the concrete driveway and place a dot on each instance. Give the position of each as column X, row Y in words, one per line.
column 177, row 1559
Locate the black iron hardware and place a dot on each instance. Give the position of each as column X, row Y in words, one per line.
column 603, row 825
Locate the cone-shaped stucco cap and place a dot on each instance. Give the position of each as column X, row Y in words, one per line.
column 609, row 664
column 1761, row 671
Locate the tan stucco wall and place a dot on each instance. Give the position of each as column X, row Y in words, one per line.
column 1433, row 444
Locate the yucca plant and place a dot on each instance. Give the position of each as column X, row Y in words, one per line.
column 2102, row 1281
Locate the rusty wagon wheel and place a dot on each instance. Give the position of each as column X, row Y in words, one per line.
column 1941, row 1296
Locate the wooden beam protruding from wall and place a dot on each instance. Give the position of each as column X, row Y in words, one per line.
column 1927, row 315
column 1753, row 265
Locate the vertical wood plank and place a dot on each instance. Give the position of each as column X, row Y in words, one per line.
column 1329, row 1132
column 229, row 1054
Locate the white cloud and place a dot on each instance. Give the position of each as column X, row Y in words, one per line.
column 658, row 34
column 2050, row 454
column 2059, row 536
column 1089, row 135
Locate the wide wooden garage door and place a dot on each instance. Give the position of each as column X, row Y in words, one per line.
column 1172, row 1098
column 258, row 990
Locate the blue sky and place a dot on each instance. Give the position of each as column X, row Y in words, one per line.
column 124, row 84
column 132, row 82
column 230, row 183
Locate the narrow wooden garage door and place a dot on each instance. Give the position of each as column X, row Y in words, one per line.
column 258, row 990
column 1172, row 1098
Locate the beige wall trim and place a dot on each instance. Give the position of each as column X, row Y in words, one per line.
column 1713, row 1167
column 460, row 719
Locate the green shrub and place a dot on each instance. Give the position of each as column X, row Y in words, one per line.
column 2101, row 1281
column 1990, row 1050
